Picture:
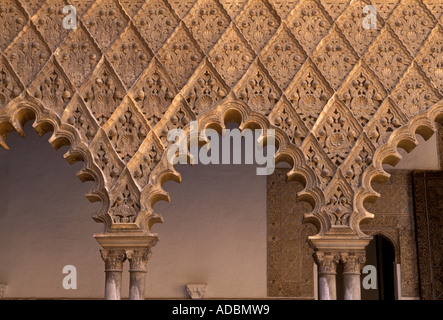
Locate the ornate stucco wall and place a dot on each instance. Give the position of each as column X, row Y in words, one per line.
column 342, row 83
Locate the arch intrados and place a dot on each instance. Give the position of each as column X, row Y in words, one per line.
column 405, row 138
column 45, row 121
column 217, row 119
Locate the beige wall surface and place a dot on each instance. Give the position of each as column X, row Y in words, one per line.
column 214, row 230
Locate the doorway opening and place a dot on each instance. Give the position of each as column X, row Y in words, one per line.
column 381, row 254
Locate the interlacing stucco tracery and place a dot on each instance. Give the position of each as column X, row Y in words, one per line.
column 341, row 97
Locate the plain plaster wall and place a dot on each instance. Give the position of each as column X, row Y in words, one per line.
column 214, row 230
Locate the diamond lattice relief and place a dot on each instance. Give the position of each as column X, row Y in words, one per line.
column 341, row 82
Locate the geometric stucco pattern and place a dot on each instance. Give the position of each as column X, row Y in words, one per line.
column 341, row 97
column 290, row 264
column 397, row 223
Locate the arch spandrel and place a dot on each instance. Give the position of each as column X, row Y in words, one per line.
column 342, row 98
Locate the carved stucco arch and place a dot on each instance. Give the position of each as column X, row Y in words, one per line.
column 344, row 96
column 405, row 138
column 26, row 108
column 233, row 110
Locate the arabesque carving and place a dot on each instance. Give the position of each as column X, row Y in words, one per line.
column 340, row 96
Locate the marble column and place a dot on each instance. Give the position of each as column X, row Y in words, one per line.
column 113, row 267
column 352, row 263
column 138, row 260
column 327, row 271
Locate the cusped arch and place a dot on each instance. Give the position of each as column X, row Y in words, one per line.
column 391, row 240
column 234, row 110
column 405, row 138
column 26, row 108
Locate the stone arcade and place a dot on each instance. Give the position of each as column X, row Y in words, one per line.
column 342, row 98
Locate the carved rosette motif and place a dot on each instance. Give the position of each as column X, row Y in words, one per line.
column 52, row 87
column 77, row 115
column 105, row 20
column 182, row 7
column 283, row 57
column 126, row 130
column 414, row 94
column 335, row 58
column 435, row 6
column 385, row 7
column 156, row 21
column 49, row 21
column 233, row 7
column 206, row 90
column 388, row 118
column 283, row 7
column 28, row 54
column 351, row 23
column 207, row 21
column 12, row 20
column 337, row 132
column 146, row 159
column 103, row 92
column 10, row 86
column 232, row 55
column 335, row 7
column 358, row 161
column 125, row 199
column 257, row 22
column 412, row 22
column 82, row 6
column 430, row 57
column 130, row 56
column 309, row 24
column 284, row 117
column 131, row 6
column 178, row 117
column 362, row 93
column 180, row 56
column 154, row 92
column 339, row 196
column 318, row 160
column 258, row 90
column 309, row 92
column 78, row 55
column 106, row 158
column 388, row 58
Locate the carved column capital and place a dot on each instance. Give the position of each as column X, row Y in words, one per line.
column 353, row 262
column 138, row 258
column 327, row 262
column 113, row 259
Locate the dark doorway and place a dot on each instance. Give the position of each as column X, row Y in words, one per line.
column 381, row 254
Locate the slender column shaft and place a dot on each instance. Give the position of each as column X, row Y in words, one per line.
column 327, row 271
column 113, row 267
column 353, row 262
column 138, row 260
column 352, row 286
